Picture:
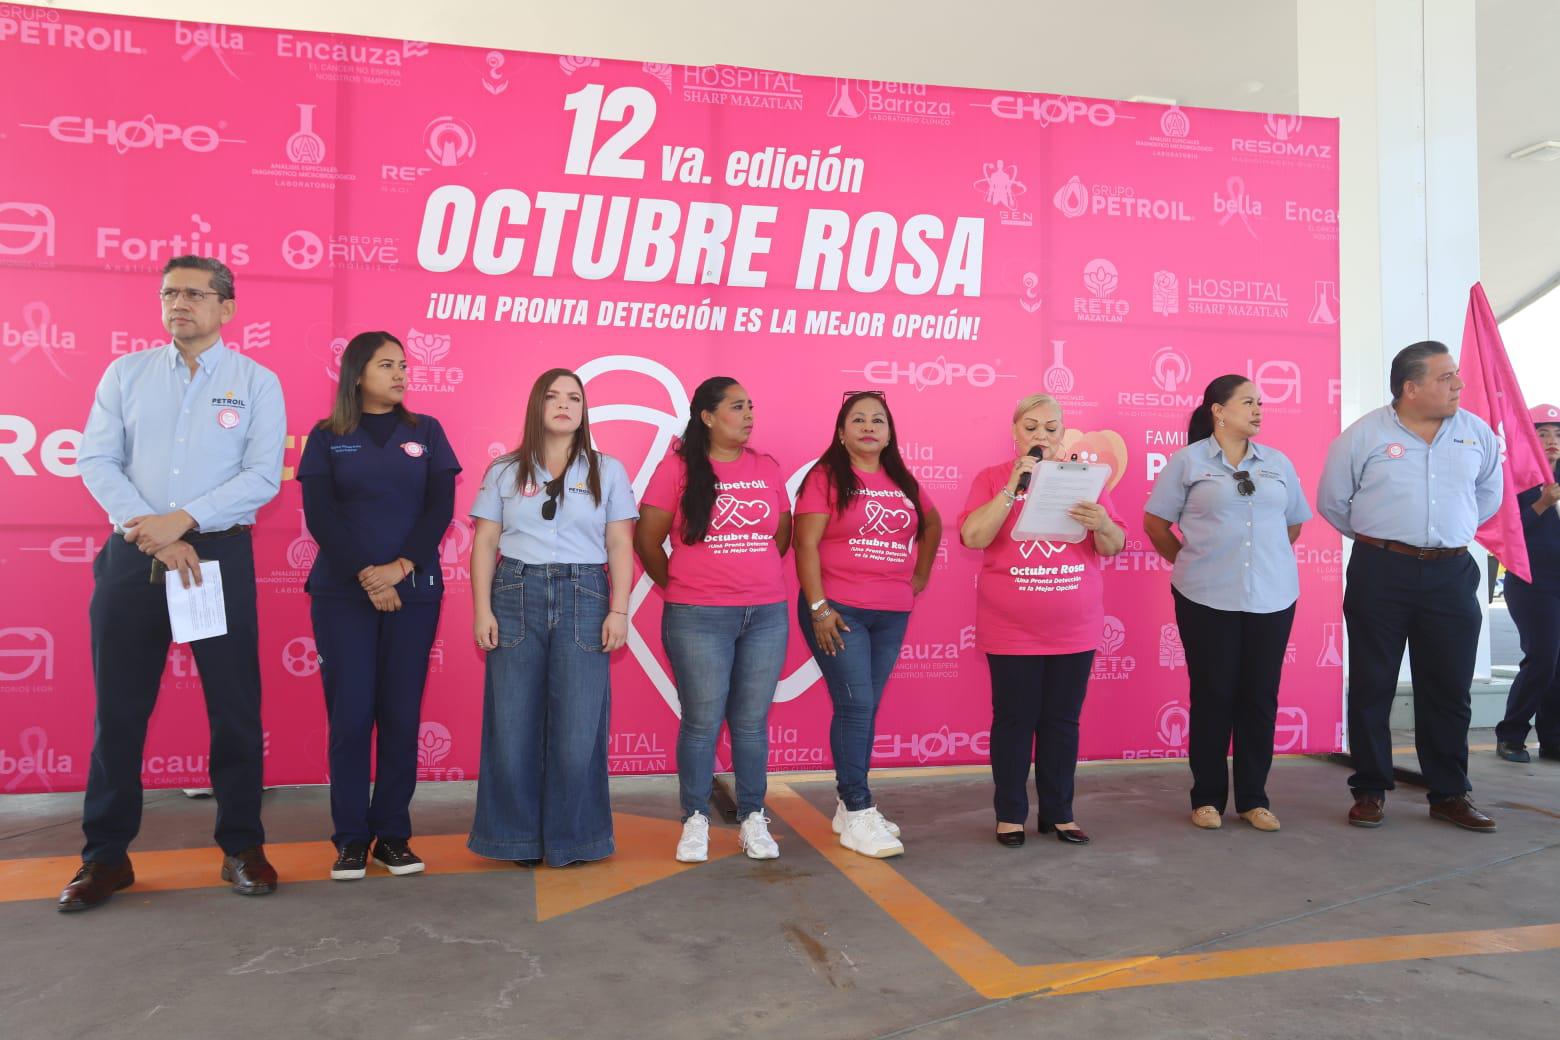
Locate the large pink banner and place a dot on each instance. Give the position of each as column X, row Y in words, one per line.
column 648, row 225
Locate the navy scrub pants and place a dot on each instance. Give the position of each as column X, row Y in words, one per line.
column 374, row 665
column 1536, row 689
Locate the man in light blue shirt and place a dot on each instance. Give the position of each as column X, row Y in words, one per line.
column 183, row 445
column 1411, row 482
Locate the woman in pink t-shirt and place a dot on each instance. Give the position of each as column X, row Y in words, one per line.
column 724, row 624
column 865, row 543
column 1038, row 614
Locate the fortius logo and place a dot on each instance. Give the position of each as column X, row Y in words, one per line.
column 136, row 133
column 427, row 371
column 303, row 250
column 888, row 101
column 938, row 372
column 1100, row 282
column 1109, row 662
column 999, row 186
column 114, row 246
column 1121, row 201
column 1281, row 144
column 739, row 87
column 26, row 654
column 34, row 761
column 629, row 752
column 1236, row 297
column 930, row 747
column 1047, row 110
column 36, row 27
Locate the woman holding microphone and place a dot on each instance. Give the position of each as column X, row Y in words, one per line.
column 865, row 544
column 1239, row 506
column 378, row 493
column 1038, row 616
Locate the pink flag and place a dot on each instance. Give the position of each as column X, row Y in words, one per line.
column 1491, row 392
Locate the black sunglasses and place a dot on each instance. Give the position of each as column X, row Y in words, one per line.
column 1243, row 483
column 554, row 489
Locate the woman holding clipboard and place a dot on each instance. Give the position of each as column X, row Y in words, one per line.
column 1038, row 616
column 1239, row 506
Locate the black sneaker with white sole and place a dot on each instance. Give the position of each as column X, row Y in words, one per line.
column 397, row 856
column 351, row 862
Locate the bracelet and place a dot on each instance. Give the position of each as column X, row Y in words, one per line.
column 623, row 612
column 824, row 616
column 1011, row 498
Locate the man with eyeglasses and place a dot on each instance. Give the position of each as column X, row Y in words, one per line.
column 1411, row 482
column 183, row 445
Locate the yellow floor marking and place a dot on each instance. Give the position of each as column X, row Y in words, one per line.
column 994, row 975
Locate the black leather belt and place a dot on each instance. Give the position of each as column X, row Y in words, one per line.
column 1410, row 550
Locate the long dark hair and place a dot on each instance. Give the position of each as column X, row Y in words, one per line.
column 1219, row 391
column 529, row 455
column 347, row 410
column 698, row 497
column 835, row 461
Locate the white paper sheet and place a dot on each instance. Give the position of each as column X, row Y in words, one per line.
column 197, row 612
column 1055, row 488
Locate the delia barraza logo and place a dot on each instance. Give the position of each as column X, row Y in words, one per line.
column 1172, row 724
column 1101, row 280
column 1170, row 369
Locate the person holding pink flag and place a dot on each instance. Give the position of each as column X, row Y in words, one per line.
column 727, row 512
column 865, row 543
column 1535, row 608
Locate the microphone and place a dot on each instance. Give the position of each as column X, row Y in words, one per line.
column 1037, row 452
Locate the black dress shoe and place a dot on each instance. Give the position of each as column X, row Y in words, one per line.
column 250, row 872
column 1072, row 837
column 1512, row 752
column 1549, row 751
column 528, row 862
column 93, row 884
column 1012, row 839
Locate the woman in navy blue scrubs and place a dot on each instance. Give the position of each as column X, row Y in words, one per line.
column 378, row 494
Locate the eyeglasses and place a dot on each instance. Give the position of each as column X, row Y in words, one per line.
column 1243, row 483
column 880, row 395
column 554, row 489
column 187, row 295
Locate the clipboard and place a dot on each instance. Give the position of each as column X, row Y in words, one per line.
column 1054, row 488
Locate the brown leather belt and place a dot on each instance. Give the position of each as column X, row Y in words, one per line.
column 1410, row 550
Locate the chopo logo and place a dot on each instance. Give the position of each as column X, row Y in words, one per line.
column 1172, row 724
column 1172, row 654
column 1277, row 381
column 1396, row 450
column 25, row 227
column 35, row 761
column 1167, row 293
column 449, row 141
column 427, row 372
column 69, row 548
column 927, row 747
column 135, row 135
column 999, row 186
column 1170, row 369
column 300, row 657
column 924, row 374
column 1236, row 202
column 1291, row 729
column 24, row 652
column 1101, row 281
column 1049, row 110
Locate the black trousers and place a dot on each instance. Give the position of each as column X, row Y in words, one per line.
column 1431, row 605
column 1035, row 703
column 1536, row 689
column 130, row 638
column 1234, row 660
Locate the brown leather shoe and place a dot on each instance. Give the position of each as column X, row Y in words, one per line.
column 250, row 872
column 93, row 884
column 1460, row 810
column 1369, row 809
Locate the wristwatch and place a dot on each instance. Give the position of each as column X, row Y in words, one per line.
column 811, row 607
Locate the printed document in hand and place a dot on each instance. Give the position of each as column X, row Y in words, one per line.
column 197, row 612
column 1055, row 488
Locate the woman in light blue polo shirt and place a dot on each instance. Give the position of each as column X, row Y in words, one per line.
column 552, row 563
column 1239, row 507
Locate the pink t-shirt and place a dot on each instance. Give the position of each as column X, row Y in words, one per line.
column 1035, row 597
column 737, row 564
column 867, row 555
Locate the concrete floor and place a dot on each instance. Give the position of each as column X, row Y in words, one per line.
column 1155, row 930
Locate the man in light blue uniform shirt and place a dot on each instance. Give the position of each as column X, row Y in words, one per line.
column 183, row 445
column 1411, row 482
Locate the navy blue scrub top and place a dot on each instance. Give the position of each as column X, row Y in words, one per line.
column 1543, row 542
column 381, row 494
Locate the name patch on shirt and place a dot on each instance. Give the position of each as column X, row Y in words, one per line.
column 227, row 400
column 345, row 449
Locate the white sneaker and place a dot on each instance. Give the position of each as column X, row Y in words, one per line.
column 755, row 838
column 867, row 832
column 694, row 845
column 840, row 813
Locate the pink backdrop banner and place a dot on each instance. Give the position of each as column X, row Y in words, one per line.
column 648, row 225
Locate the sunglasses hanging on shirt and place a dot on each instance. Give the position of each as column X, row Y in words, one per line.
column 1243, row 483
column 554, row 489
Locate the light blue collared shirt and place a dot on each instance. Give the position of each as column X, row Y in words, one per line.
column 1383, row 481
column 1236, row 553
column 577, row 533
column 160, row 439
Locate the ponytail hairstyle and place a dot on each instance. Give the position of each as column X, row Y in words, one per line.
column 842, row 480
column 1219, row 392
column 528, row 456
column 698, row 497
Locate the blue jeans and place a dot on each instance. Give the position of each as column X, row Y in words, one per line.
column 856, row 676
column 727, row 662
column 542, row 790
